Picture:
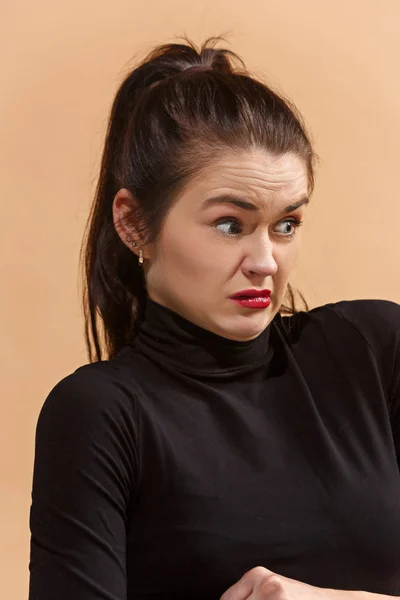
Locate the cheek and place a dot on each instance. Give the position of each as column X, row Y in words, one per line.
column 184, row 256
column 285, row 258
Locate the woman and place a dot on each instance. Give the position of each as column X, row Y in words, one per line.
column 221, row 449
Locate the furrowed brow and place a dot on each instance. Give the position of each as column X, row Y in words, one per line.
column 238, row 202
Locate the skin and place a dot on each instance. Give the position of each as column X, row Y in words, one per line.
column 196, row 263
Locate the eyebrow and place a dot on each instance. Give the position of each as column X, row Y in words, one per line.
column 233, row 200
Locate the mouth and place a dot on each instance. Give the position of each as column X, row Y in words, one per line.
column 251, row 294
column 252, row 301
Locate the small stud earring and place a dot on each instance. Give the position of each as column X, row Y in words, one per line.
column 129, row 240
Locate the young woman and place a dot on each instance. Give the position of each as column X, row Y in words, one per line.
column 226, row 445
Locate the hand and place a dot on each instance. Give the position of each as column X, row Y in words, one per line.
column 261, row 584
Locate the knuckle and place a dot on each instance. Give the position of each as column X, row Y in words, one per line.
column 271, row 584
column 276, row 582
column 258, row 571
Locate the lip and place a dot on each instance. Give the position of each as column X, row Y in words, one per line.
column 252, row 294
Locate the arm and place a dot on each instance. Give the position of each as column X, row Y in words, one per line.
column 378, row 321
column 84, row 471
column 382, row 332
column 394, row 400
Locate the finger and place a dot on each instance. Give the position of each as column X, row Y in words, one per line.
column 243, row 588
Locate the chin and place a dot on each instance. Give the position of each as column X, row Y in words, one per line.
column 247, row 331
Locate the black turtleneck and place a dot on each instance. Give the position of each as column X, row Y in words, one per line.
column 189, row 458
column 167, row 338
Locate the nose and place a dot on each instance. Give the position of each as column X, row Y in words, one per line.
column 260, row 260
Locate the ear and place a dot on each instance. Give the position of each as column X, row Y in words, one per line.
column 123, row 208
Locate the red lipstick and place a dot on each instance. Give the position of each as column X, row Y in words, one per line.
column 252, row 298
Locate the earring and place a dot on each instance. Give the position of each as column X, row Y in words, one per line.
column 128, row 239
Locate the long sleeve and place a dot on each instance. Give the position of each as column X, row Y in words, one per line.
column 84, row 475
column 395, row 397
column 378, row 321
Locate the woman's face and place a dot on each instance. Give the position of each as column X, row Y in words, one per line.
column 208, row 251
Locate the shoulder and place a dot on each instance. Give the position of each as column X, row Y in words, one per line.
column 377, row 321
column 376, row 313
column 93, row 394
column 86, row 445
column 359, row 335
column 362, row 333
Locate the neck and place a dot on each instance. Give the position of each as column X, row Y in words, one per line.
column 171, row 340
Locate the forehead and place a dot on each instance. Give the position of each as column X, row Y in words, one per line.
column 257, row 175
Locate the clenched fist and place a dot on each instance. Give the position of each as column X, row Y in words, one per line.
column 261, row 584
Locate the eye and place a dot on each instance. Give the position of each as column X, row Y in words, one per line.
column 232, row 227
column 230, row 230
column 289, row 226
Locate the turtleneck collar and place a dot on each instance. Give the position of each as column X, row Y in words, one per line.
column 166, row 337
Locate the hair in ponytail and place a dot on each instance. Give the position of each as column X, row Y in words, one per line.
column 167, row 123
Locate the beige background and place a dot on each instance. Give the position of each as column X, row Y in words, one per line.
column 337, row 59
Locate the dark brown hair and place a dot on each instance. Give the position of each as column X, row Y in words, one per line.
column 166, row 125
